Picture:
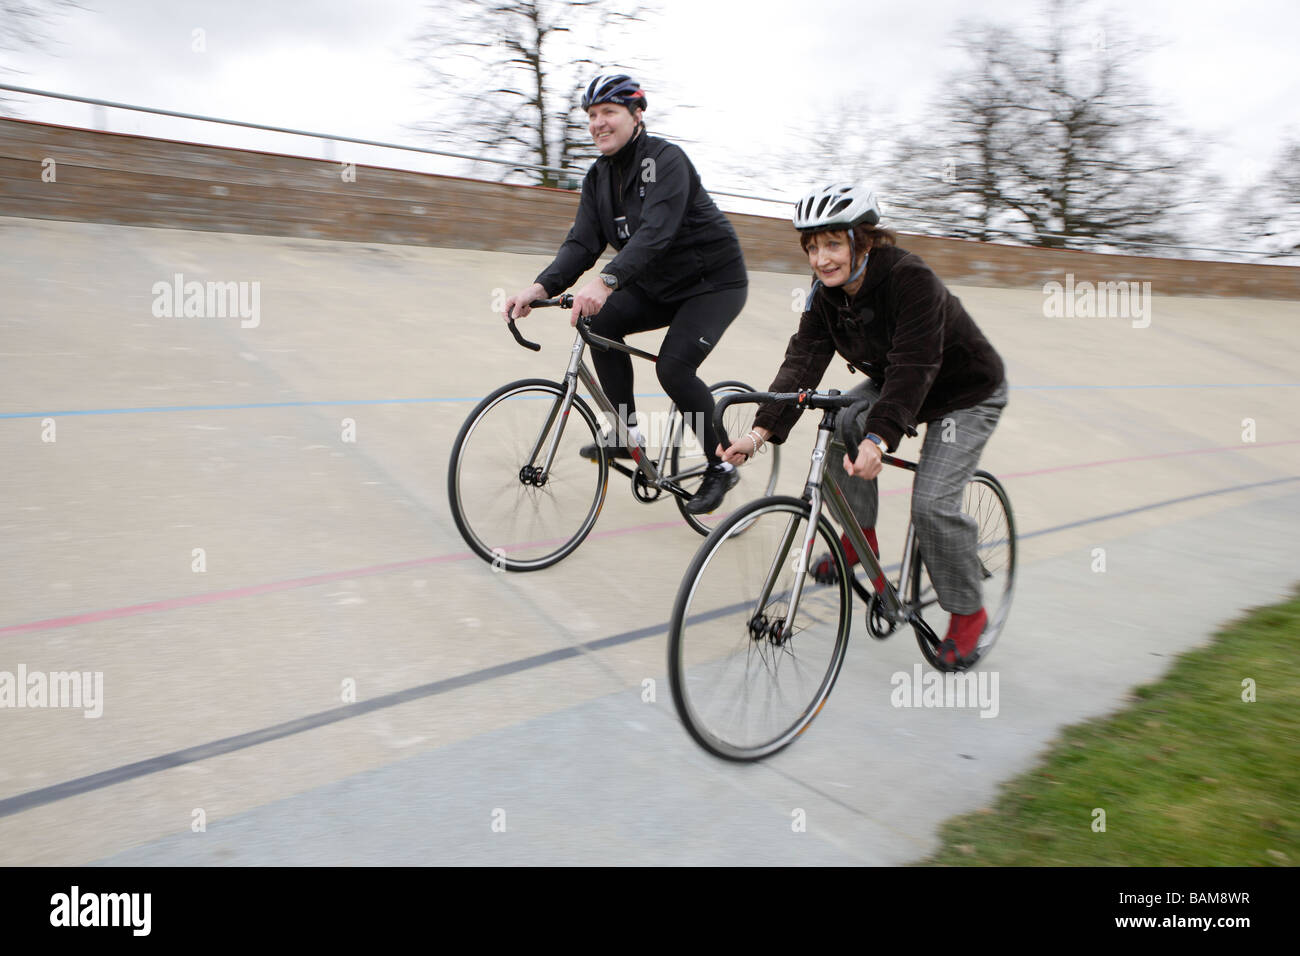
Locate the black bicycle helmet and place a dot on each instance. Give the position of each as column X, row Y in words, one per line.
column 614, row 88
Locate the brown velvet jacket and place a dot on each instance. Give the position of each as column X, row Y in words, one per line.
column 905, row 330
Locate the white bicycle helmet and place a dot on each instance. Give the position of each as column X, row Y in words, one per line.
column 839, row 206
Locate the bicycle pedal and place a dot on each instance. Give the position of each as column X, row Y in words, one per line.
column 879, row 624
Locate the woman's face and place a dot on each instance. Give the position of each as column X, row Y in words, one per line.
column 611, row 126
column 831, row 257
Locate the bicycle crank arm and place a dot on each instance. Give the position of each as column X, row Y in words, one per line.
column 919, row 625
column 676, row 489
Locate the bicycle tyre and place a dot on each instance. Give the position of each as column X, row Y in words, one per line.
column 507, row 522
column 709, row 631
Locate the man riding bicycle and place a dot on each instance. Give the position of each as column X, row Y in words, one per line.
column 678, row 265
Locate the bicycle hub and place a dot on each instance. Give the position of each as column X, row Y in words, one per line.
column 762, row 629
column 531, row 475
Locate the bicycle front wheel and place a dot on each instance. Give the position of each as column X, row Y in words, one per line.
column 508, row 513
column 986, row 505
column 757, row 477
column 743, row 687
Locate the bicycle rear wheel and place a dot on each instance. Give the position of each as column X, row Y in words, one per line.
column 757, row 477
column 502, row 514
column 742, row 689
column 986, row 503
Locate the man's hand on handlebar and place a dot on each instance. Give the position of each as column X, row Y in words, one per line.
column 589, row 300
column 518, row 306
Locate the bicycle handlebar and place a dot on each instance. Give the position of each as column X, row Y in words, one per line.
column 852, row 432
column 807, row 398
column 563, row 301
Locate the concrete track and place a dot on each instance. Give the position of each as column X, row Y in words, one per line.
column 484, row 697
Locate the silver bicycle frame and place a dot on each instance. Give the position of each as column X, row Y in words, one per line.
column 822, row 488
column 576, row 373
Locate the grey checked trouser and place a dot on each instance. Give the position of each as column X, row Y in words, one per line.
column 947, row 535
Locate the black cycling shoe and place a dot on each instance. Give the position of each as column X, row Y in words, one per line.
column 717, row 482
column 592, row 452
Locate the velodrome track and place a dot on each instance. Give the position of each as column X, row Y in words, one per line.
column 477, row 692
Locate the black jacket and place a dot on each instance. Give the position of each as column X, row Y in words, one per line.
column 904, row 329
column 680, row 244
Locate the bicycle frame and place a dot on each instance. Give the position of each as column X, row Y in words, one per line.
column 822, row 489
column 578, row 373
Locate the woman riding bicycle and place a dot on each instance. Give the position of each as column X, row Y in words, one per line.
column 678, row 265
column 890, row 316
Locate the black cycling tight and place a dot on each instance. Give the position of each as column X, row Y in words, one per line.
column 694, row 327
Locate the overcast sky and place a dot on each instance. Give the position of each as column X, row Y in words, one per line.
column 753, row 71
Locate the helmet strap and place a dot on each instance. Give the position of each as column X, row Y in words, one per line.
column 858, row 272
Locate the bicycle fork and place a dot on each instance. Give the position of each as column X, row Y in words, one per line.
column 576, row 372
column 560, row 410
column 812, row 491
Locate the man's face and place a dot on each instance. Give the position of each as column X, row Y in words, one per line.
column 611, row 126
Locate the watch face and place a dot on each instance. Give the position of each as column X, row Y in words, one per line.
column 609, row 280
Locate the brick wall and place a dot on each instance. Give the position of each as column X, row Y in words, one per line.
column 133, row 180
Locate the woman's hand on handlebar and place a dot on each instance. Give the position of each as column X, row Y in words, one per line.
column 589, row 300
column 869, row 463
column 744, row 447
column 518, row 306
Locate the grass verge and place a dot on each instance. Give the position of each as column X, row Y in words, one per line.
column 1192, row 773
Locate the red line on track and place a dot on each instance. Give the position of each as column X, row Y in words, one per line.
column 231, row 594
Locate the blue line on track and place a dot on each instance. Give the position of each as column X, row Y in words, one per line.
column 466, row 400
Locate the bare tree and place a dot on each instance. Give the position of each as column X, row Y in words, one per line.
column 951, row 164
column 26, row 25
column 855, row 140
column 507, row 76
column 1266, row 214
column 1051, row 138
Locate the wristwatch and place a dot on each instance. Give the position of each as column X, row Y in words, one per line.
column 880, row 442
column 611, row 281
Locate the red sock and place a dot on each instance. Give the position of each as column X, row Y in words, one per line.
column 852, row 554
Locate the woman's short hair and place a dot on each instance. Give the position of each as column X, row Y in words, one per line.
column 865, row 238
